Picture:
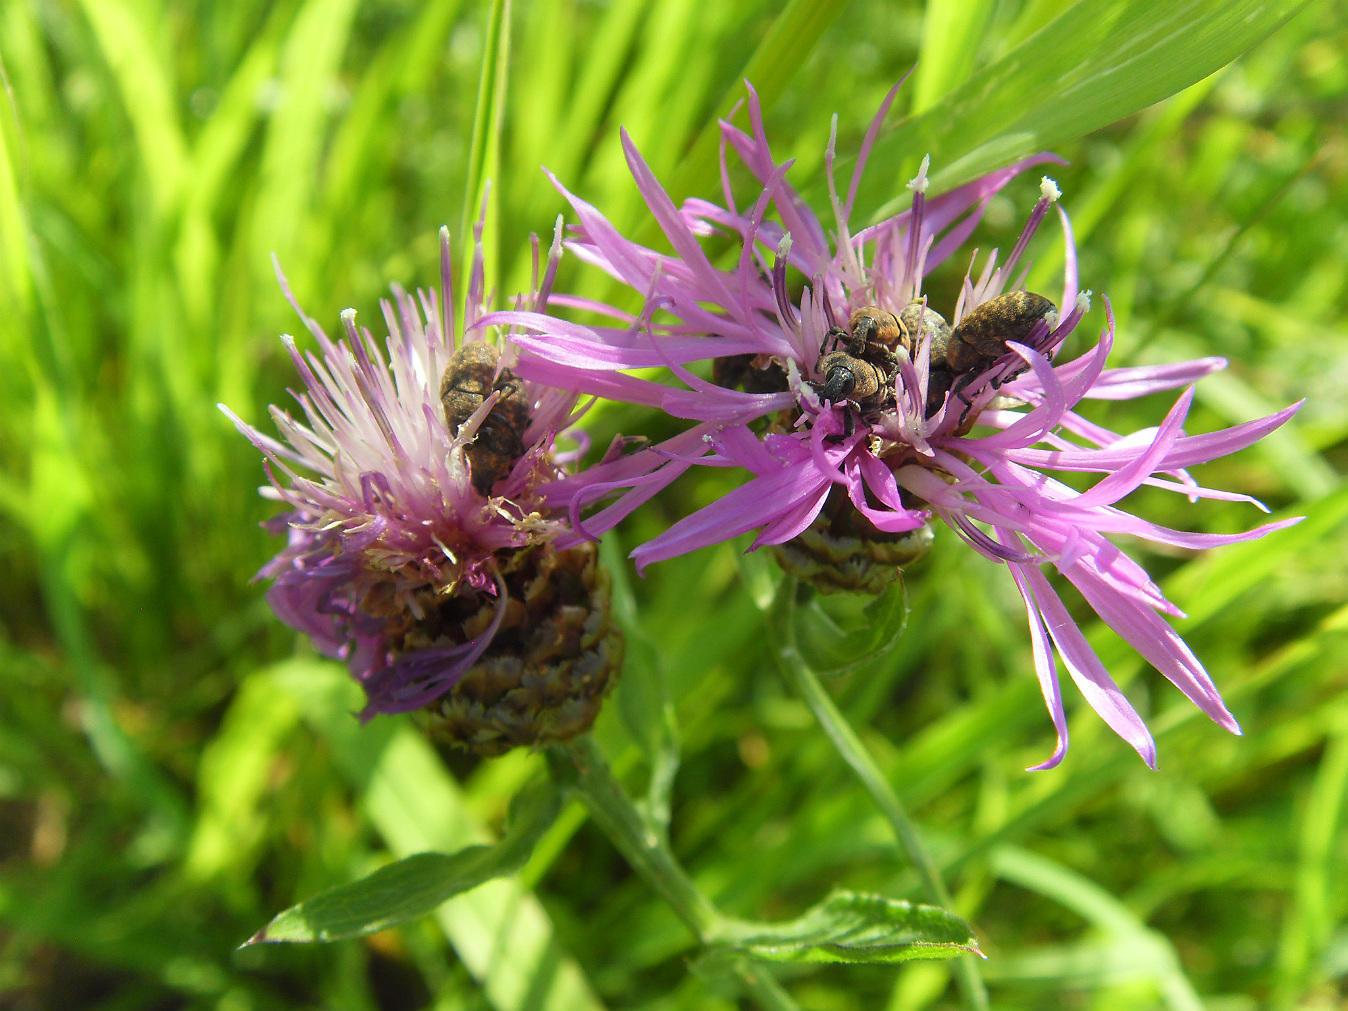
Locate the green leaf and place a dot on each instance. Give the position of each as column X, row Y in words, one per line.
column 951, row 33
column 484, row 155
column 783, row 51
column 642, row 696
column 309, row 59
column 126, row 41
column 857, row 927
column 1148, row 951
column 15, row 284
column 416, row 885
column 233, row 777
column 840, row 632
column 1098, row 61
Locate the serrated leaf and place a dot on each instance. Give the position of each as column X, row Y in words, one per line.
column 860, row 927
column 1098, row 61
column 416, row 885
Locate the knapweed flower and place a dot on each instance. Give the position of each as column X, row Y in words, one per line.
column 965, row 425
column 419, row 548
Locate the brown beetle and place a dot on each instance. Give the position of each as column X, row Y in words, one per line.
column 847, row 377
column 980, row 339
column 961, row 355
column 917, row 319
column 474, row 373
column 864, row 370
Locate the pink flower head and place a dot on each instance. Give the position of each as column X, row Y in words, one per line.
column 975, row 448
column 385, row 518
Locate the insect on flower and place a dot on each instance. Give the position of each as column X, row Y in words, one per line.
column 982, row 339
column 863, row 371
column 420, row 550
column 473, row 374
column 969, row 429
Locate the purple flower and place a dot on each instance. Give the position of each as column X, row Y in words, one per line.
column 385, row 520
column 973, row 445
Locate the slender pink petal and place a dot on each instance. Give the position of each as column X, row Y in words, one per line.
column 1159, row 644
column 733, row 514
column 793, row 522
column 1109, row 490
column 1130, row 383
column 1088, row 672
column 1045, row 669
column 1188, row 450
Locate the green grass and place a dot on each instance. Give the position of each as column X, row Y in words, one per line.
column 175, row 768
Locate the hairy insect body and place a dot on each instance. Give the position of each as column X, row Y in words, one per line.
column 863, row 362
column 473, row 374
column 874, row 331
column 863, row 370
column 980, row 339
column 847, row 377
column 917, row 321
column 961, row 355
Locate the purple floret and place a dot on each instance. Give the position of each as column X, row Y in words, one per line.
column 981, row 463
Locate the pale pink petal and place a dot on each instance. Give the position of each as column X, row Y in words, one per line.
column 1088, row 672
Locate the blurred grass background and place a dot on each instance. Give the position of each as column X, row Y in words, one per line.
column 175, row 768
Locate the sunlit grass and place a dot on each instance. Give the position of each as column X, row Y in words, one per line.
column 175, row 768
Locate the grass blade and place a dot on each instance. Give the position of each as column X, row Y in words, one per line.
column 484, row 154
column 1095, row 63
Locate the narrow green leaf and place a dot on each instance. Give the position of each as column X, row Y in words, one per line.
column 481, row 197
column 15, row 284
column 660, row 99
column 1098, row 61
column 857, row 927
column 951, row 32
column 1032, row 17
column 570, row 140
column 784, row 49
column 1310, row 921
column 224, row 137
column 309, row 62
column 144, row 84
column 416, row 885
column 232, row 779
column 1150, row 949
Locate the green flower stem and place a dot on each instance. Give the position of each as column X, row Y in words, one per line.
column 644, row 847
column 806, row 683
column 770, row 994
column 582, row 765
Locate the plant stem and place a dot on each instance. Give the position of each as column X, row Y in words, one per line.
column 806, row 683
column 583, row 765
column 644, row 847
column 770, row 994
